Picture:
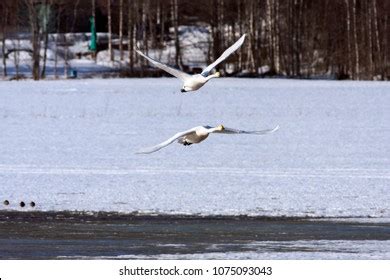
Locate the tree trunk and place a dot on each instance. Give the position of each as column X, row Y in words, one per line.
column 46, row 43
column 175, row 21
column 385, row 73
column 257, row 36
column 297, row 37
column 251, row 25
column 66, row 57
column 290, row 39
column 121, row 29
column 324, row 30
column 17, row 59
column 46, row 38
column 356, row 43
column 56, row 42
column 270, row 35
column 110, row 50
column 378, row 51
column 17, row 45
column 130, row 33
column 3, row 47
column 221, row 15
column 349, row 38
column 145, row 7
column 152, row 25
column 66, row 52
column 35, row 38
column 240, row 29
column 162, row 23
column 75, row 9
column 276, row 36
column 370, row 48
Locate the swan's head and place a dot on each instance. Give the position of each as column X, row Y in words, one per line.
column 220, row 128
column 185, row 89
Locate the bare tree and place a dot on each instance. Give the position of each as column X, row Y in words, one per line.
column 4, row 23
column 276, row 44
column 121, row 29
column 175, row 21
column 45, row 30
column 386, row 40
column 163, row 19
column 17, row 43
column 240, row 31
column 349, row 36
column 58, row 25
column 370, row 45
column 130, row 33
column 356, row 43
column 377, row 40
column 110, row 50
column 269, row 27
column 151, row 15
column 35, row 37
column 144, row 5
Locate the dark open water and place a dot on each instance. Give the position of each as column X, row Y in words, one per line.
column 52, row 235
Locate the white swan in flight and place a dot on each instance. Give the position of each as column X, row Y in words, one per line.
column 195, row 82
column 198, row 134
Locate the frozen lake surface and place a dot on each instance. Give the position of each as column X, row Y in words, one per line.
column 69, row 145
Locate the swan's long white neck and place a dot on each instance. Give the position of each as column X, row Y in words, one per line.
column 215, row 75
column 217, row 128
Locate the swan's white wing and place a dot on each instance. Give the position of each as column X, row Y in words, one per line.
column 237, row 131
column 153, row 149
column 175, row 72
column 225, row 54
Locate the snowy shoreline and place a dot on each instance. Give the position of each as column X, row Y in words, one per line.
column 101, row 216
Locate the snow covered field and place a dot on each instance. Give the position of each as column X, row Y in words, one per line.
column 69, row 145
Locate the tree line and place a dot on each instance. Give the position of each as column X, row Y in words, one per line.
column 343, row 39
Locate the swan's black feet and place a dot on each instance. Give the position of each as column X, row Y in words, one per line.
column 185, row 143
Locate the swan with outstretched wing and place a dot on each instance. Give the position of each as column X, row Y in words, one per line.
column 195, row 82
column 198, row 134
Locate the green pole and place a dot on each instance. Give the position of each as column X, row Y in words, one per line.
column 93, row 44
